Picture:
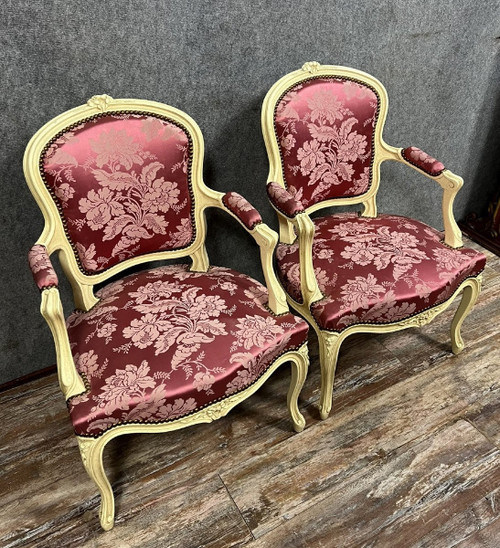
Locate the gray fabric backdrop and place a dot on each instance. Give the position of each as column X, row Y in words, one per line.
column 216, row 60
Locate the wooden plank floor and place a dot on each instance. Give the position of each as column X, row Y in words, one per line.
column 410, row 456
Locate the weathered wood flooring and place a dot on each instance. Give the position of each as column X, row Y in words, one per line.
column 410, row 456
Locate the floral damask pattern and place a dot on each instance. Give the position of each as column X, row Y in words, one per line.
column 165, row 342
column 283, row 201
column 422, row 160
column 41, row 267
column 121, row 181
column 243, row 209
column 377, row 270
column 325, row 132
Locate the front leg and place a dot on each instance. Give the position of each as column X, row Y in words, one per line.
column 329, row 345
column 300, row 364
column 91, row 451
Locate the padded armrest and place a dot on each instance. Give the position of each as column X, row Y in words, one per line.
column 43, row 272
column 283, row 201
column 242, row 209
column 423, row 161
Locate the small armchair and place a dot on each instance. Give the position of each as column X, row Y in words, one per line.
column 348, row 273
column 119, row 183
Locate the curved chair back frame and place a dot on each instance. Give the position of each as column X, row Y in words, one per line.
column 315, row 70
column 54, row 236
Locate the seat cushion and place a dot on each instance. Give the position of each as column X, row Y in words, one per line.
column 166, row 342
column 379, row 270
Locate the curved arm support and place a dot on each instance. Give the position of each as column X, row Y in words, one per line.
column 266, row 239
column 51, row 308
column 448, row 181
column 308, row 282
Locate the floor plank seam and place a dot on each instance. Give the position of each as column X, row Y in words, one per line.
column 495, row 444
column 237, row 507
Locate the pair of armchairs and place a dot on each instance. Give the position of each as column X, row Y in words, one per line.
column 120, row 183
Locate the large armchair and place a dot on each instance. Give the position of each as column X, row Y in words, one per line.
column 119, row 183
column 348, row 273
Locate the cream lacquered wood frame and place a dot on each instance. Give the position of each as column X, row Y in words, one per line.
column 54, row 239
column 302, row 228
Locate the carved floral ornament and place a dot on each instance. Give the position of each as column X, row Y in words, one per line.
column 311, row 66
column 100, row 102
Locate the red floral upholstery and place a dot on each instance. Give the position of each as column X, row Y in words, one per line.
column 377, row 270
column 243, row 209
column 325, row 132
column 166, row 342
column 283, row 201
column 133, row 194
column 43, row 272
column 422, row 160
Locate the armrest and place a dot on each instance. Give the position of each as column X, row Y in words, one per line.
column 51, row 309
column 283, row 201
column 266, row 238
column 291, row 212
column 422, row 161
column 241, row 208
column 43, row 272
column 431, row 168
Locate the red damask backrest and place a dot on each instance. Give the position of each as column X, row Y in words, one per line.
column 122, row 185
column 321, row 126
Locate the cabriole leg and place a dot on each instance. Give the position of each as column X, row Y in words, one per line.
column 300, row 364
column 329, row 344
column 91, row 451
column 469, row 297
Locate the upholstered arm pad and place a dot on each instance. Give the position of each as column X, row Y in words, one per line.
column 43, row 272
column 242, row 209
column 283, row 201
column 422, row 160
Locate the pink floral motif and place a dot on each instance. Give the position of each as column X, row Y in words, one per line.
column 243, row 209
column 203, row 381
column 39, row 259
column 358, row 292
column 87, row 256
column 325, row 131
column 172, row 343
column 120, row 388
column 256, row 330
column 116, row 148
column 378, row 270
column 41, row 267
column 423, row 160
column 119, row 198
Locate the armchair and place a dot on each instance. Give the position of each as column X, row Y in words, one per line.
column 348, row 273
column 119, row 183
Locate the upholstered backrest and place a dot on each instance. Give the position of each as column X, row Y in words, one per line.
column 122, row 185
column 322, row 125
column 325, row 130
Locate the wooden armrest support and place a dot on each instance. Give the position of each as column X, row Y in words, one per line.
column 266, row 239
column 51, row 308
column 308, row 282
column 448, row 181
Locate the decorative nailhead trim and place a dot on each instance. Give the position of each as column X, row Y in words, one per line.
column 397, row 321
column 377, row 112
column 49, row 286
column 111, row 113
column 221, row 398
column 420, row 167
